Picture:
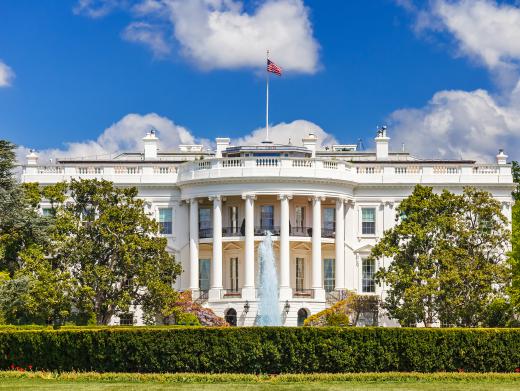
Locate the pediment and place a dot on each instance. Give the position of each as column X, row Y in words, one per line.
column 364, row 249
column 231, row 246
column 302, row 246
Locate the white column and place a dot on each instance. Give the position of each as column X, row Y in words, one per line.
column 248, row 291
column 194, row 244
column 216, row 263
column 285, row 285
column 317, row 280
column 340, row 245
column 351, row 228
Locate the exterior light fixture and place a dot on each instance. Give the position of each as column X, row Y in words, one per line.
column 246, row 307
column 287, row 307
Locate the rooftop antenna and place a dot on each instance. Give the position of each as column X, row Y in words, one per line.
column 402, row 147
column 360, row 146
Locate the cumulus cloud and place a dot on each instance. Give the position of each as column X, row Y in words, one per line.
column 124, row 135
column 148, row 35
column 127, row 133
column 468, row 124
column 97, row 8
column 6, row 75
column 455, row 124
column 221, row 34
column 284, row 132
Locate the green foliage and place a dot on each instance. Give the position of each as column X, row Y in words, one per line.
column 448, row 258
column 515, row 171
column 187, row 319
column 285, row 379
column 262, row 349
column 21, row 226
column 110, row 245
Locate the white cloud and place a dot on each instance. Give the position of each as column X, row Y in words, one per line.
column 124, row 135
column 149, row 35
column 468, row 124
column 97, row 8
column 283, row 132
column 458, row 124
column 127, row 133
column 6, row 75
column 483, row 29
column 220, row 34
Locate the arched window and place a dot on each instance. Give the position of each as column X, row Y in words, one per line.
column 231, row 317
column 302, row 315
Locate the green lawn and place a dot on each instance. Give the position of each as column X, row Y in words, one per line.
column 14, row 380
column 40, row 384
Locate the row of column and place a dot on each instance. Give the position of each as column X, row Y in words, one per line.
column 249, row 259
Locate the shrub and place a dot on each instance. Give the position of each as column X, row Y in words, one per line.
column 261, row 349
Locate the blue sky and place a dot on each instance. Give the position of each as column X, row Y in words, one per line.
column 74, row 70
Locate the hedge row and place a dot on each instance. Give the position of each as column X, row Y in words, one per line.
column 262, row 350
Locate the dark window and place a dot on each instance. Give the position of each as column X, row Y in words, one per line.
column 267, row 217
column 126, row 319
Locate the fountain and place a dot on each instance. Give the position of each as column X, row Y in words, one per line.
column 268, row 311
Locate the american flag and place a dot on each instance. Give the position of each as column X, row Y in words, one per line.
column 273, row 68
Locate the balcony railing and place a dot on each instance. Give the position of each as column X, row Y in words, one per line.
column 261, row 230
column 205, row 233
column 301, row 231
column 328, row 232
column 232, row 231
column 303, row 294
column 231, row 293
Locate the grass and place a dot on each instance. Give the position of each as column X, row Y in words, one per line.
column 13, row 380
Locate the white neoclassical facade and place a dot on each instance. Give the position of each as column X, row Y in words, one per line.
column 326, row 208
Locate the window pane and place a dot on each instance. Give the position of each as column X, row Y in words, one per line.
column 300, row 216
column 47, row 212
column 233, row 272
column 205, row 218
column 329, row 217
column 299, row 274
column 233, row 218
column 204, row 269
column 165, row 220
column 368, row 222
column 329, row 273
column 267, row 217
column 368, row 284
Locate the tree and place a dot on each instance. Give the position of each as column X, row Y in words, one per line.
column 108, row 242
column 514, row 255
column 515, row 171
column 21, row 226
column 448, row 258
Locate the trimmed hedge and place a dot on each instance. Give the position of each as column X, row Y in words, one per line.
column 262, row 349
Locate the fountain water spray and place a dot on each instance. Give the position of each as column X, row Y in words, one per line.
column 268, row 311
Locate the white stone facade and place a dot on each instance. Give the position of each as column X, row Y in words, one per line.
column 326, row 209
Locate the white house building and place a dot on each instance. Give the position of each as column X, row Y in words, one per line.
column 326, row 208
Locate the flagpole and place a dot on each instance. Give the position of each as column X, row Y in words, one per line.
column 267, row 101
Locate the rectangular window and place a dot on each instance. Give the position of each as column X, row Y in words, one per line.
column 368, row 269
column 233, row 272
column 300, row 276
column 233, row 219
column 267, row 217
column 329, row 274
column 126, row 319
column 329, row 218
column 300, row 217
column 46, row 212
column 205, row 224
column 368, row 221
column 204, row 270
column 165, row 220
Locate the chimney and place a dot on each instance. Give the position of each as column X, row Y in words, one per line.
column 222, row 144
column 501, row 157
column 310, row 142
column 382, row 144
column 150, row 145
column 32, row 158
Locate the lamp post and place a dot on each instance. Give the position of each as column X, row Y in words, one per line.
column 246, row 307
column 287, row 307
